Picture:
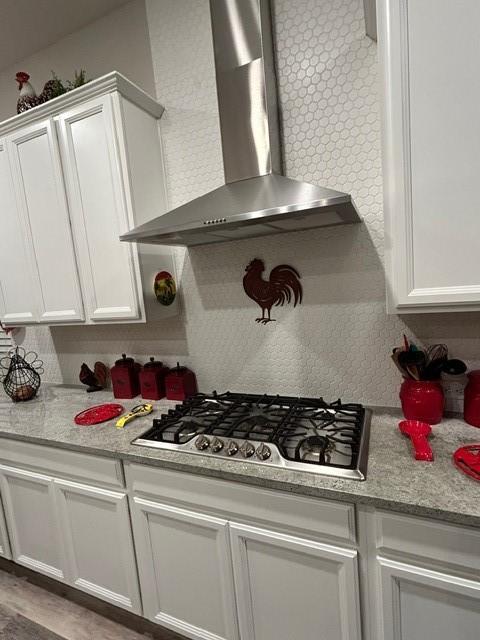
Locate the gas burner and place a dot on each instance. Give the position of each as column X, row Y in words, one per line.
column 315, row 449
column 293, row 433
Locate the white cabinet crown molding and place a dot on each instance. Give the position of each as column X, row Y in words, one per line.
column 113, row 81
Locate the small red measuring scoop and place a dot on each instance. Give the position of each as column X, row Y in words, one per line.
column 418, row 432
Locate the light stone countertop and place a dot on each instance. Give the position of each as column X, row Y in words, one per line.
column 394, row 479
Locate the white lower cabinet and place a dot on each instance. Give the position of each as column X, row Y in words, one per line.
column 4, row 542
column 73, row 532
column 185, row 570
column 35, row 537
column 419, row 603
column 289, row 587
column 95, row 524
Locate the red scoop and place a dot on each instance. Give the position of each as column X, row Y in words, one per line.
column 418, row 432
column 467, row 459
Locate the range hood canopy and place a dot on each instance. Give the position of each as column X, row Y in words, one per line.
column 256, row 199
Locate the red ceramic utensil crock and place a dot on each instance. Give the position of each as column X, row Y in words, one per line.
column 418, row 432
column 422, row 400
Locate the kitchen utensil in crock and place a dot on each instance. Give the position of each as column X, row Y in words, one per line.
column 467, row 459
column 136, row 412
column 417, row 432
column 436, row 352
column 99, row 413
column 413, row 362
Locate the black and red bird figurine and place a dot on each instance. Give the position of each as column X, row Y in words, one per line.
column 94, row 380
column 283, row 285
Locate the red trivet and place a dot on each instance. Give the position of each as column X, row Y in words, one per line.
column 467, row 459
column 99, row 413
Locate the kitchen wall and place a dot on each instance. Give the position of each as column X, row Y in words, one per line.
column 117, row 41
column 338, row 341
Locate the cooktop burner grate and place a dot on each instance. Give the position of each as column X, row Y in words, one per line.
column 301, row 433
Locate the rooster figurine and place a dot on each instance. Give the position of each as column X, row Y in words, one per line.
column 284, row 283
column 28, row 98
column 95, row 380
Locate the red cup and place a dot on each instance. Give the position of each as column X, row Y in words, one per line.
column 471, row 399
column 422, row 400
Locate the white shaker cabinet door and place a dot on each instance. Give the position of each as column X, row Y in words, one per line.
column 108, row 268
column 185, row 570
column 289, row 587
column 18, row 293
column 95, row 523
column 4, row 543
column 38, row 181
column 429, row 59
column 418, row 603
column 30, row 511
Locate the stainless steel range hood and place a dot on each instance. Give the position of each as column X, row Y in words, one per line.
column 256, row 199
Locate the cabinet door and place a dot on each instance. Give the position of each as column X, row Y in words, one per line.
column 419, row 603
column 18, row 299
column 38, row 182
column 28, row 499
column 289, row 587
column 96, row 527
column 429, row 56
column 4, row 543
column 185, row 570
column 108, row 267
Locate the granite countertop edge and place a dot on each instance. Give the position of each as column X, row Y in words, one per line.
column 191, row 465
column 394, row 481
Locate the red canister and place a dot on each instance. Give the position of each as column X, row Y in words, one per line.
column 422, row 400
column 471, row 399
column 124, row 376
column 152, row 380
column 180, row 383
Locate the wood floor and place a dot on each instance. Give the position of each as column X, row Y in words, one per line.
column 21, row 602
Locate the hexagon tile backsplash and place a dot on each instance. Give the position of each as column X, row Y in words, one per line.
column 338, row 341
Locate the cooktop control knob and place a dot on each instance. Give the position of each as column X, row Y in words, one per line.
column 263, row 452
column 247, row 449
column 232, row 448
column 217, row 445
column 202, row 443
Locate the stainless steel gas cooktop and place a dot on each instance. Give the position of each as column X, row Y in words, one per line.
column 294, row 433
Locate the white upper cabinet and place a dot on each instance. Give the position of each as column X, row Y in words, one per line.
column 38, row 182
column 75, row 174
column 16, row 279
column 429, row 57
column 109, row 268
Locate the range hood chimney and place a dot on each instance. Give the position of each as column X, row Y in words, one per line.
column 256, row 199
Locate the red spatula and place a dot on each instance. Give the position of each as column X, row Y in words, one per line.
column 417, row 432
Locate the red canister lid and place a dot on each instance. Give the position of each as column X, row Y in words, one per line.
column 153, row 364
column 124, row 361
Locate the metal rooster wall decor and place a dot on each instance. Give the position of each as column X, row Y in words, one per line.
column 283, row 285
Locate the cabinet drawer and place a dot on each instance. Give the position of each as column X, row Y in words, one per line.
column 324, row 518
column 59, row 462
column 427, row 539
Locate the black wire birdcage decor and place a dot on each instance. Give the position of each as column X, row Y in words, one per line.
column 22, row 379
